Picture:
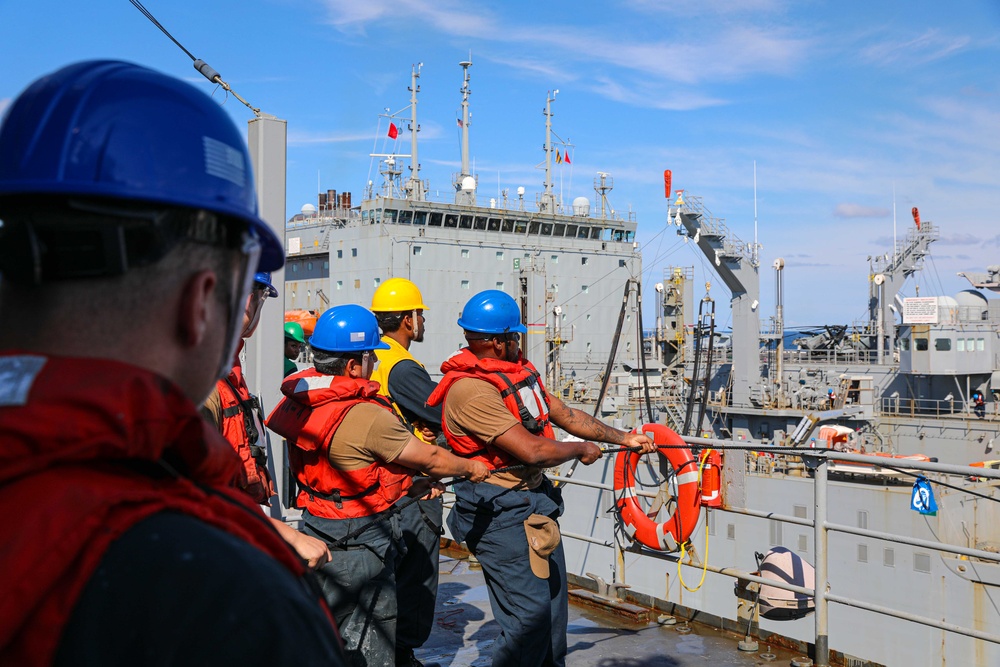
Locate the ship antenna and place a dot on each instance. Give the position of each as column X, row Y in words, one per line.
column 894, row 223
column 415, row 190
column 548, row 203
column 463, row 194
column 755, row 213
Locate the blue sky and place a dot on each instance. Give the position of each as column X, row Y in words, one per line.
column 838, row 103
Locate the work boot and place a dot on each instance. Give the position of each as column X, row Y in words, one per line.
column 405, row 658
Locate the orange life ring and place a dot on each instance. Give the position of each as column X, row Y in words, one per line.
column 676, row 530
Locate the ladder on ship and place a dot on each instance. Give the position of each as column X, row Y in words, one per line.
column 701, row 379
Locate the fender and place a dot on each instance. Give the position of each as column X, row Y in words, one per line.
column 639, row 526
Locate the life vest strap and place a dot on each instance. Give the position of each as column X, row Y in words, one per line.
column 336, row 496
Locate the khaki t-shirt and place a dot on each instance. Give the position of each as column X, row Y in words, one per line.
column 474, row 407
column 368, row 433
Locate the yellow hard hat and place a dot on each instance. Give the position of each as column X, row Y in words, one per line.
column 397, row 295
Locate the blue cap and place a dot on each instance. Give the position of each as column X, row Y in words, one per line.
column 106, row 128
column 347, row 328
column 264, row 278
column 491, row 311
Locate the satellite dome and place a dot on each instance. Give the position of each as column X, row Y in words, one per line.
column 581, row 206
column 468, row 184
column 972, row 305
column 308, row 210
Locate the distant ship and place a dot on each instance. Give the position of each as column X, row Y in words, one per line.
column 916, row 383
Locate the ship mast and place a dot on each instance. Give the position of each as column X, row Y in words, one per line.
column 465, row 184
column 414, row 188
column 548, row 202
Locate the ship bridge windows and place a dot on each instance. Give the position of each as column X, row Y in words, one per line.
column 435, row 220
column 508, row 225
column 465, row 222
column 920, row 344
column 943, row 344
column 583, row 232
column 420, row 217
column 546, row 229
column 595, row 232
column 520, row 226
column 559, row 229
column 450, row 220
column 405, row 217
column 534, row 226
column 571, row 231
column 480, row 223
column 493, row 225
column 389, row 216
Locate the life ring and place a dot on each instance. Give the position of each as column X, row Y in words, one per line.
column 639, row 526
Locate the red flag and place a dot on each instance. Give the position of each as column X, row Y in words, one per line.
column 393, row 131
column 667, row 176
column 566, row 158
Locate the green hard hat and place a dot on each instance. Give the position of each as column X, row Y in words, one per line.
column 293, row 330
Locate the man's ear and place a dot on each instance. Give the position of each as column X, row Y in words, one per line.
column 193, row 309
column 354, row 369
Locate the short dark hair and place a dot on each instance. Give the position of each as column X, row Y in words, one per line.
column 390, row 322
column 334, row 363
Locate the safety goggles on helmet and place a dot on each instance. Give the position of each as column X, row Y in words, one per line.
column 249, row 258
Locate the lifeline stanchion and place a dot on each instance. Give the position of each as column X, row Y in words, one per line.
column 396, row 509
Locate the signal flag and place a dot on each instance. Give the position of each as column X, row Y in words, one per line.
column 393, row 131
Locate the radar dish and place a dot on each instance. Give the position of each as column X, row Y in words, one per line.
column 468, row 184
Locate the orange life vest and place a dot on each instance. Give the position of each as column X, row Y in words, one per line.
column 83, row 441
column 239, row 427
column 520, row 388
column 313, row 408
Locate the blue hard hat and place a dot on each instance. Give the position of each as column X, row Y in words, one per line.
column 264, row 278
column 112, row 129
column 347, row 328
column 491, row 311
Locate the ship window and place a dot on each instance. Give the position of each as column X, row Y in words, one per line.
column 583, row 232
column 435, row 220
column 465, row 284
column 420, row 217
column 465, row 253
column 922, row 562
column 295, row 267
column 520, row 226
column 494, row 225
column 942, row 344
column 571, row 231
column 621, row 263
column 863, row 519
column 499, row 255
column 326, row 265
column 450, row 220
column 980, row 344
column 595, row 232
column 377, row 281
column 559, row 229
column 500, row 286
column 418, row 250
column 555, row 259
column 508, row 225
column 961, row 345
column 970, row 345
column 340, row 254
column 546, row 229
column 389, row 216
column 921, row 344
column 340, row 284
column 888, row 557
column 405, row 217
column 465, row 222
column 904, row 344
column 862, row 553
column 357, row 283
column 309, row 266
column 480, row 223
column 354, row 252
column 798, row 511
column 584, row 260
column 555, row 287
column 730, row 531
column 588, row 317
column 775, row 530
column 534, row 227
column 803, row 543
column 585, row 288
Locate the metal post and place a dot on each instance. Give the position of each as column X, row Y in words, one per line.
column 822, row 657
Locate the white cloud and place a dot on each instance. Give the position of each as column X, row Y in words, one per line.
column 930, row 46
column 846, row 210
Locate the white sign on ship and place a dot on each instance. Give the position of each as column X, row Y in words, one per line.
column 920, row 310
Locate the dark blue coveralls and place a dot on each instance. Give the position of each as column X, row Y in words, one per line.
column 531, row 612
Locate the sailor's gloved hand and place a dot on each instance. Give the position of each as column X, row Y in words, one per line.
column 589, row 452
column 639, row 442
column 425, row 488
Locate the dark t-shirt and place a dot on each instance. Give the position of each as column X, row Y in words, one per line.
column 409, row 386
column 176, row 591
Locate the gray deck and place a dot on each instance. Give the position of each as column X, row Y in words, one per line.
column 464, row 632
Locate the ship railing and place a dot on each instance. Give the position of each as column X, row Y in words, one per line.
column 818, row 466
column 829, row 356
column 907, row 406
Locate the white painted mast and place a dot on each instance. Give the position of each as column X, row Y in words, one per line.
column 414, row 187
column 548, row 202
column 465, row 183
